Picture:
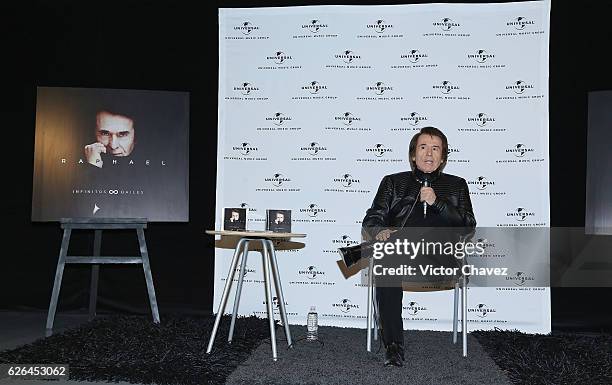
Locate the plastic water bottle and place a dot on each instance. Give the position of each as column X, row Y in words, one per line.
column 312, row 325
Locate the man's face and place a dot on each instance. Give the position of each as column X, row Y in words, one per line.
column 428, row 154
column 280, row 217
column 116, row 133
column 235, row 216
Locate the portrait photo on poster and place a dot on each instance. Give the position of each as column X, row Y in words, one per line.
column 111, row 153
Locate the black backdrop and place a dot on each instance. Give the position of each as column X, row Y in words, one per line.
column 171, row 45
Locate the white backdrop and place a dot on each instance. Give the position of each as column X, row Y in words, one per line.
column 318, row 103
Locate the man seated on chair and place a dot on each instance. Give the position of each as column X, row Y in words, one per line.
column 425, row 198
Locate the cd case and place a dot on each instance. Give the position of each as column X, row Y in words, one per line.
column 234, row 219
column 278, row 221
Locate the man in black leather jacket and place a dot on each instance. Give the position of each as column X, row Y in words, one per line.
column 399, row 202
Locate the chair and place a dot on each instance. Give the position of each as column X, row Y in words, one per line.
column 461, row 283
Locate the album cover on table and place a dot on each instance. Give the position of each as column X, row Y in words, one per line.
column 234, row 219
column 278, row 221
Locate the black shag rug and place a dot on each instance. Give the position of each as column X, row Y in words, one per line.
column 341, row 359
column 134, row 349
column 557, row 359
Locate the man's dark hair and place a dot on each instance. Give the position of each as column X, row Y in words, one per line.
column 128, row 103
column 432, row 131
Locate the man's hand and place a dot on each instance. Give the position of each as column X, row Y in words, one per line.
column 92, row 153
column 384, row 235
column 428, row 195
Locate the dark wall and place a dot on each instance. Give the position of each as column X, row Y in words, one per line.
column 173, row 46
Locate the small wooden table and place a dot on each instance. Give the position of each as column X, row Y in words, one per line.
column 269, row 263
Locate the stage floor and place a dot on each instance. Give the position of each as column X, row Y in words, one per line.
column 494, row 357
column 20, row 328
column 342, row 359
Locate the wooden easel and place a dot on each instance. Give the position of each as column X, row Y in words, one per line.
column 99, row 224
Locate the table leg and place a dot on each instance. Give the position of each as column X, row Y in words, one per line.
column 268, row 248
column 226, row 290
column 245, row 254
column 266, row 274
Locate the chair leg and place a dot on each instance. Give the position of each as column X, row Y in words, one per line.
column 464, row 316
column 369, row 306
column 374, row 319
column 59, row 273
column 226, row 290
column 244, row 254
column 268, row 247
column 95, row 273
column 455, row 311
column 268, row 290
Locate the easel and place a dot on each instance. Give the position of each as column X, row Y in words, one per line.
column 99, row 224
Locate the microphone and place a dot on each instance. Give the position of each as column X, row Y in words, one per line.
column 425, row 184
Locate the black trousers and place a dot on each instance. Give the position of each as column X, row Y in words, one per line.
column 389, row 301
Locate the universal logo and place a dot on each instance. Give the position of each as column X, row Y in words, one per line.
column 345, row 305
column 311, row 272
column 482, row 310
column 245, row 205
column 246, row 28
column 314, row 26
column 347, row 56
column 279, row 118
column 481, row 119
column 314, row 87
column 481, row 56
column 379, row 88
column 445, row 87
column 346, row 180
column 247, row 270
column 446, row 24
column 519, row 87
column 246, row 88
column 520, row 278
column 520, row 214
column 380, row 26
column 413, row 308
column 313, row 210
column 345, row 241
column 280, row 57
column 277, row 180
column 520, row 23
column 519, row 150
column 414, row 119
column 485, row 243
column 275, row 303
column 481, row 183
column 347, row 118
column 245, row 148
column 313, row 148
column 452, row 150
column 379, row 150
column 414, row 56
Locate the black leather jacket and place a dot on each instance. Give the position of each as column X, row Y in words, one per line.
column 397, row 194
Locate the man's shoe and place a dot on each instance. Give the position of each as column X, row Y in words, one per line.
column 392, row 355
